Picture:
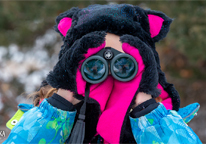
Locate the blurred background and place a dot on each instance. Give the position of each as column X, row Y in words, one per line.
column 29, row 49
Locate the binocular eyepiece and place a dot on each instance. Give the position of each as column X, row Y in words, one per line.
column 95, row 69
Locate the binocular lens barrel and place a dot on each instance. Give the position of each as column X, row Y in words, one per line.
column 95, row 69
column 124, row 67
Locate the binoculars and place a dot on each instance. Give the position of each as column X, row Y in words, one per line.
column 95, row 69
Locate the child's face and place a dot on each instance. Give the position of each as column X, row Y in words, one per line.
column 112, row 40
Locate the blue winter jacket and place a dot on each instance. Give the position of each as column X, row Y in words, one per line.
column 47, row 124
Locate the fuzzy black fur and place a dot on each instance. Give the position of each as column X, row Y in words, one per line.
column 169, row 88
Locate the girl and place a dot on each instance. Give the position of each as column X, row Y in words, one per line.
column 107, row 79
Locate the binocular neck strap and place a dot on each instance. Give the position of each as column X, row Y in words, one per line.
column 78, row 133
column 87, row 90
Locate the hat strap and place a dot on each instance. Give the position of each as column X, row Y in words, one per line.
column 78, row 133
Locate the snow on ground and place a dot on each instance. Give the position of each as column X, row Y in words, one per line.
column 29, row 67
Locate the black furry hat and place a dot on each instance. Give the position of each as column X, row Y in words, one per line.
column 150, row 26
column 118, row 19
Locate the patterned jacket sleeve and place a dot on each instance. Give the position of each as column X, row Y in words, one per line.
column 162, row 126
column 43, row 124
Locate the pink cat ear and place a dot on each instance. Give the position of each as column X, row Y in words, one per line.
column 64, row 25
column 159, row 24
column 155, row 24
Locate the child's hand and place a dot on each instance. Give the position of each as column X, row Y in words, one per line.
column 140, row 98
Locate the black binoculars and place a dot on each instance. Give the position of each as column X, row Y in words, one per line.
column 95, row 69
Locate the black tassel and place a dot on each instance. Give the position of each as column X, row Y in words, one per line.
column 78, row 133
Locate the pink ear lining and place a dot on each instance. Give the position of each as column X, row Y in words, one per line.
column 155, row 23
column 64, row 25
